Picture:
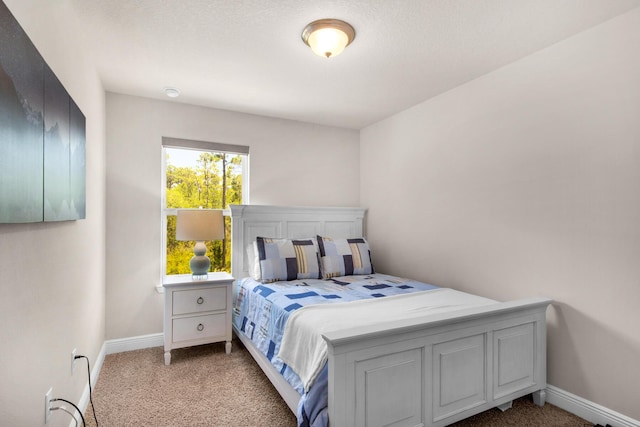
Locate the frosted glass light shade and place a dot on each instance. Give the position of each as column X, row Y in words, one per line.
column 328, row 42
column 328, row 37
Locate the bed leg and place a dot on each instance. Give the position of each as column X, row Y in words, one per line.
column 505, row 406
column 539, row 397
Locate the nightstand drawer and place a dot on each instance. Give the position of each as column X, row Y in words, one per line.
column 199, row 300
column 198, row 327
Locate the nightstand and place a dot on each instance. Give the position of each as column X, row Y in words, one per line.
column 196, row 311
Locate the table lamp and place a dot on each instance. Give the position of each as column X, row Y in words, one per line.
column 200, row 225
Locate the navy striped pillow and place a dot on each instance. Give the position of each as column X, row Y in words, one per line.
column 285, row 259
column 344, row 257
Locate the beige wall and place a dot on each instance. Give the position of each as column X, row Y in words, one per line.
column 52, row 275
column 527, row 182
column 292, row 163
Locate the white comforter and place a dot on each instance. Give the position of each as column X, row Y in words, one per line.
column 304, row 349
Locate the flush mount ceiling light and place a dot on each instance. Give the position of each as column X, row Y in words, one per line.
column 328, row 37
column 171, row 92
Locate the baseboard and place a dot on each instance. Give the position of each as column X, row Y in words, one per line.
column 134, row 343
column 588, row 410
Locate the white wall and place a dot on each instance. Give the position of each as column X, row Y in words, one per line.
column 52, row 275
column 292, row 163
column 527, row 182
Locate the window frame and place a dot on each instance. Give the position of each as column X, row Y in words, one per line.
column 186, row 144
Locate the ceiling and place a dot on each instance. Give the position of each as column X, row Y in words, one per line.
column 248, row 55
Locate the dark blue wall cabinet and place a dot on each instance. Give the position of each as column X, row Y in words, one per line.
column 42, row 135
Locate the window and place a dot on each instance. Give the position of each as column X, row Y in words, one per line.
column 204, row 175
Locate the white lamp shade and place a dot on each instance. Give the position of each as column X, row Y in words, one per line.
column 200, row 224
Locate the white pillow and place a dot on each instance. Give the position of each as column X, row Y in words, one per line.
column 254, row 262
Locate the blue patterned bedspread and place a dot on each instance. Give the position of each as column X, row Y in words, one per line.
column 261, row 312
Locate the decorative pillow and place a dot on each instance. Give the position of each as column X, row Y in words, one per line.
column 254, row 262
column 344, row 257
column 284, row 259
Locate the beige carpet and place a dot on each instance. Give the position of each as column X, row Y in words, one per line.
column 205, row 387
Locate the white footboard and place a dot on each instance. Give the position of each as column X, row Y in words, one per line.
column 440, row 369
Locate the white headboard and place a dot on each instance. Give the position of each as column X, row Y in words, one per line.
column 251, row 221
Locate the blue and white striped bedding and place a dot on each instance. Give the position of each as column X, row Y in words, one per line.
column 261, row 312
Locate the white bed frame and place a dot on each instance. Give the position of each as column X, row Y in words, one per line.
column 431, row 371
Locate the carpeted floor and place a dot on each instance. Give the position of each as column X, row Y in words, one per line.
column 205, row 387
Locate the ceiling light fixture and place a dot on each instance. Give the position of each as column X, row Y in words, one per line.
column 171, row 92
column 328, row 37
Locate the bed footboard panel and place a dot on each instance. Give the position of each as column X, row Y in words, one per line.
column 439, row 370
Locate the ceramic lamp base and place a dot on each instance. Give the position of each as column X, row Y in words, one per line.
column 200, row 263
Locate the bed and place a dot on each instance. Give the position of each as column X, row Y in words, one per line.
column 429, row 370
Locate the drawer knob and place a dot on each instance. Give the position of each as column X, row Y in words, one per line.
column 200, row 327
column 200, row 300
